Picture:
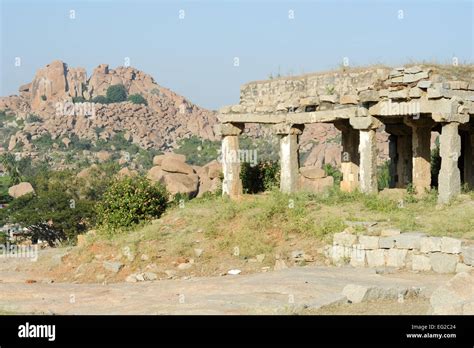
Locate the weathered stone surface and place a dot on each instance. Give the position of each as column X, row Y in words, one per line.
column 421, row 263
column 455, row 297
column 315, row 185
column 155, row 174
column 467, row 253
column 232, row 184
column 172, row 165
column 386, row 242
column 430, row 244
column 339, row 254
column 313, row 172
column 331, row 98
column 358, row 257
column 21, row 189
column 450, row 245
column 449, row 175
column 375, row 258
column 112, row 266
column 369, row 96
column 181, row 183
column 159, row 158
column 409, row 240
column 349, row 99
column 443, row 263
column 424, row 84
column 345, row 239
column 461, row 267
column 355, row 293
column 388, row 232
column 369, row 242
column 396, row 258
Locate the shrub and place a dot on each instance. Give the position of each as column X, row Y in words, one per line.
column 330, row 170
column 130, row 201
column 262, row 177
column 137, row 99
column 116, row 94
column 435, row 164
column 383, row 175
column 198, row 151
column 79, row 99
column 33, row 118
column 43, row 97
column 100, row 99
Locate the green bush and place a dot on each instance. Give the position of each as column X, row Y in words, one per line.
column 100, row 99
column 330, row 170
column 116, row 94
column 383, row 175
column 33, row 118
column 43, row 97
column 198, row 151
column 130, row 201
column 79, row 99
column 137, row 99
column 435, row 164
column 262, row 177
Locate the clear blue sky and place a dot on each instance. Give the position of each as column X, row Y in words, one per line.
column 194, row 56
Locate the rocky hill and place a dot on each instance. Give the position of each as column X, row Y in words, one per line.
column 58, row 96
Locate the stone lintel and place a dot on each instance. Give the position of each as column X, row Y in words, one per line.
column 225, row 129
column 419, row 122
column 288, row 129
column 450, row 117
column 364, row 123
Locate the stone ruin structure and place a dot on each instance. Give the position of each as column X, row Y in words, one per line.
column 409, row 103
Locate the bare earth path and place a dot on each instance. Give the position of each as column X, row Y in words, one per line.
column 280, row 292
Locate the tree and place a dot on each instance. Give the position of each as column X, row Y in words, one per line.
column 137, row 99
column 11, row 167
column 130, row 201
column 116, row 94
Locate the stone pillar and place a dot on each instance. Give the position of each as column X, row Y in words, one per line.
column 421, row 142
column 404, row 161
column 392, row 154
column 289, row 158
column 349, row 157
column 367, row 151
column 449, row 180
column 468, row 158
column 232, row 184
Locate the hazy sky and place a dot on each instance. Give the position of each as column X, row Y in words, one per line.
column 195, row 55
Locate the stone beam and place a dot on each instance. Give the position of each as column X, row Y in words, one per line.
column 289, row 159
column 449, row 180
column 325, row 116
column 231, row 184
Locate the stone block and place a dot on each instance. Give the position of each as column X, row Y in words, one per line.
column 369, row 96
column 396, row 258
column 375, row 258
column 339, row 254
column 443, row 263
column 355, row 293
column 450, row 245
column 430, row 244
column 386, row 242
column 424, row 84
column 369, row 242
column 358, row 257
column 420, row 263
column 467, row 253
column 461, row 267
column 349, row 99
column 388, row 232
column 345, row 239
column 410, row 240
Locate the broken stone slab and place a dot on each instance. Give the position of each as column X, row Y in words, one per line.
column 409, row 78
column 430, row 244
column 450, row 245
column 461, row 267
column 356, row 293
column 409, row 240
column 413, row 69
column 375, row 258
column 369, row 242
column 460, row 85
column 345, row 239
column 396, row 258
column 307, row 101
column 415, row 92
column 369, row 96
column 420, row 263
column 467, row 253
column 424, row 84
column 349, row 99
column 400, row 94
column 443, row 263
column 330, row 98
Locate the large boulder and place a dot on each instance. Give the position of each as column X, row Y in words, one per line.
column 158, row 159
column 181, row 183
column 315, row 185
column 125, row 172
column 155, row 174
column 213, row 169
column 172, row 165
column 21, row 189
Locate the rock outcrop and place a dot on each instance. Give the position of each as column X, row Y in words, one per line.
column 21, row 189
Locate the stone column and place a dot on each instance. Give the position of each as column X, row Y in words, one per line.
column 421, row 143
column 232, row 184
column 392, row 153
column 468, row 152
column 449, row 180
column 367, row 151
column 404, row 161
column 289, row 158
column 349, row 157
